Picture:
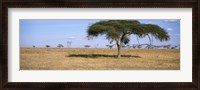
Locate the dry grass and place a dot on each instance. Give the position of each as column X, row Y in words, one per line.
column 98, row 59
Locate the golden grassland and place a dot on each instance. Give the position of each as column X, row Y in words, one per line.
column 98, row 59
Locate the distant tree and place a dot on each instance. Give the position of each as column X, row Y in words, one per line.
column 123, row 46
column 60, row 46
column 175, row 47
column 167, row 46
column 87, row 46
column 110, row 46
column 139, row 46
column 47, row 46
column 149, row 46
column 128, row 46
column 33, row 46
column 134, row 46
column 69, row 43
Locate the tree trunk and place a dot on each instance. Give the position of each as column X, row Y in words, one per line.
column 149, row 41
column 118, row 51
column 119, row 44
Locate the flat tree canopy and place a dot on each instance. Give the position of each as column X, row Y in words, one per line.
column 60, row 45
column 120, row 31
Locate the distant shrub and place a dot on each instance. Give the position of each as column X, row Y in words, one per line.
column 47, row 46
column 60, row 46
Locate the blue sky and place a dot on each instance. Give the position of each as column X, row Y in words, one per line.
column 54, row 32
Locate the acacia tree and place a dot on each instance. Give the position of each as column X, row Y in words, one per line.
column 120, row 31
column 87, row 46
column 33, row 46
column 47, row 46
column 60, row 46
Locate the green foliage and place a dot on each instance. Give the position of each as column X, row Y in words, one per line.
column 156, row 31
column 120, row 31
column 114, row 29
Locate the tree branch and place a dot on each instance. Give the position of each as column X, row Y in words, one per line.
column 122, row 38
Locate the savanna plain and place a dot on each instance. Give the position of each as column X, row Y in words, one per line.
column 98, row 59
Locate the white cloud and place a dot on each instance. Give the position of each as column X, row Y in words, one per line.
column 171, row 20
column 71, row 37
column 170, row 29
column 74, row 38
